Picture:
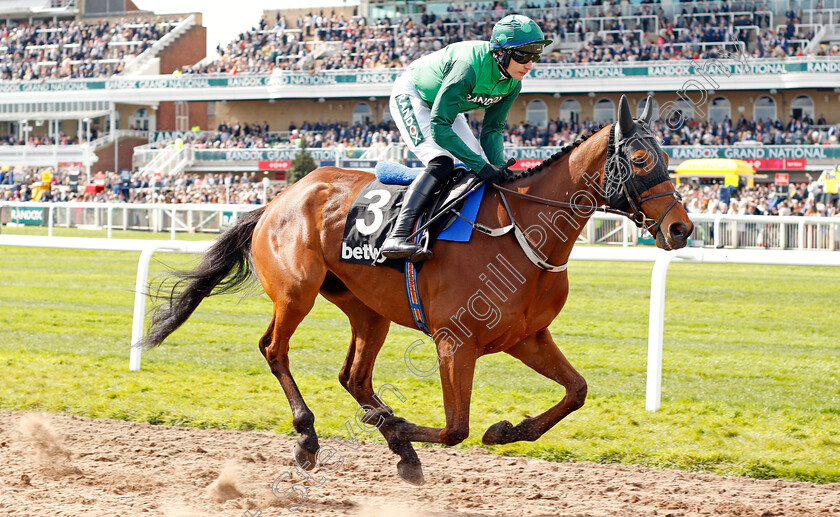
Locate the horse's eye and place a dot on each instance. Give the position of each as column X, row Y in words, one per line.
column 639, row 160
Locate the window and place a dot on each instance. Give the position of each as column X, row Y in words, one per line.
column 802, row 106
column 719, row 109
column 182, row 116
column 764, row 108
column 139, row 120
column 537, row 113
column 386, row 114
column 570, row 111
column 686, row 108
column 361, row 113
column 640, row 108
column 604, row 112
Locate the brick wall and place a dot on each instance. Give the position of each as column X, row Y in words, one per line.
column 126, row 152
column 188, row 49
column 197, row 116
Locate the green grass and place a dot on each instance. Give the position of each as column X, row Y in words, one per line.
column 751, row 384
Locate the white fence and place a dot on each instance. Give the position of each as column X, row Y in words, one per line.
column 711, row 231
column 147, row 249
column 172, row 218
column 656, row 320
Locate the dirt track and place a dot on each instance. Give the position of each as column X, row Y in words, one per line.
column 69, row 466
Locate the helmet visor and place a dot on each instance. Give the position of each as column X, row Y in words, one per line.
column 523, row 57
column 531, row 48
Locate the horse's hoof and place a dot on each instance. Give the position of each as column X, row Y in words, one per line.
column 304, row 458
column 497, row 433
column 411, row 472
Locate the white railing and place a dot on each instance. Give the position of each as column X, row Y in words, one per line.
column 823, row 16
column 766, row 232
column 390, row 152
column 710, row 231
column 169, row 161
column 147, row 249
column 656, row 315
column 151, row 217
column 656, row 318
column 52, row 155
column 47, row 155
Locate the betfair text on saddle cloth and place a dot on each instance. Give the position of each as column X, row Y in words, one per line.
column 428, row 103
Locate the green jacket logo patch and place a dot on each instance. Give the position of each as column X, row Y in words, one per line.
column 484, row 100
column 410, row 121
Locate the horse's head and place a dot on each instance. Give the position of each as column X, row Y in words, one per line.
column 636, row 179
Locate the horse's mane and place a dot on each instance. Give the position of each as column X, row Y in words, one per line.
column 553, row 158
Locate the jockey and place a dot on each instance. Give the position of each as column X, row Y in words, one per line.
column 428, row 102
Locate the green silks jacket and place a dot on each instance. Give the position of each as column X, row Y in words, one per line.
column 462, row 77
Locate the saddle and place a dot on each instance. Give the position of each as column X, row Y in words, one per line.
column 373, row 212
column 391, row 173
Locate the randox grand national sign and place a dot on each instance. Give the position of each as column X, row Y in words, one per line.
column 548, row 71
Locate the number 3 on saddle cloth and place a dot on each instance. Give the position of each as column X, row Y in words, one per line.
column 374, row 212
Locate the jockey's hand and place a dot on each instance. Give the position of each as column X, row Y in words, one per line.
column 492, row 172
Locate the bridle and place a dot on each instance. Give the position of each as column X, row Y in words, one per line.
column 627, row 193
column 622, row 191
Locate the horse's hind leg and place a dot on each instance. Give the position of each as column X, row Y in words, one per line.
column 369, row 330
column 291, row 305
column 541, row 354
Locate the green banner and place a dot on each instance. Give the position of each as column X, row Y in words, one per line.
column 240, row 155
column 759, row 152
column 688, row 152
column 51, row 86
column 348, row 77
column 27, row 216
column 678, row 152
column 548, row 71
column 228, row 219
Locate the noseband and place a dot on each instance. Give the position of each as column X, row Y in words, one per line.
column 623, row 188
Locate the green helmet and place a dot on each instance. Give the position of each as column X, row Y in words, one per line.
column 519, row 32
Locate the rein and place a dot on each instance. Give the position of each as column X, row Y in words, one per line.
column 631, row 198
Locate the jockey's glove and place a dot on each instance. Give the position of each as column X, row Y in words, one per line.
column 492, row 172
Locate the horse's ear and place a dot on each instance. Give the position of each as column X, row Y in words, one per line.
column 625, row 117
column 647, row 114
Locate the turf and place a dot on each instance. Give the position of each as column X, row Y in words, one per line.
column 751, row 384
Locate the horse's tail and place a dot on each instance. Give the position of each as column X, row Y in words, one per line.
column 224, row 268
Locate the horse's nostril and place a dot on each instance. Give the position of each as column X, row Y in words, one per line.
column 678, row 230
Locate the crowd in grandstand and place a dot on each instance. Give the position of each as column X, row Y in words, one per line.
column 71, row 49
column 803, row 199
column 555, row 133
column 325, row 41
column 317, row 135
column 330, row 41
column 244, row 188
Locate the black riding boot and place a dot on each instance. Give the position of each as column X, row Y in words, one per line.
column 396, row 246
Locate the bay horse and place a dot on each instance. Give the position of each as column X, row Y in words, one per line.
column 293, row 245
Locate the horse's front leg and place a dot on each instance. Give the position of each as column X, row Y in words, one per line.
column 456, row 376
column 541, row 354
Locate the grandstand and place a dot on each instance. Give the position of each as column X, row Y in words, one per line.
column 103, row 86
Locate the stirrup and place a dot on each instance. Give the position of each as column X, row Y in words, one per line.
column 400, row 249
column 421, row 255
column 424, row 253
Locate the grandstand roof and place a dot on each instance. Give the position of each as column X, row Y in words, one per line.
column 28, row 8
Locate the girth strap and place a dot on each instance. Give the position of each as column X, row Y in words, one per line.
column 521, row 238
